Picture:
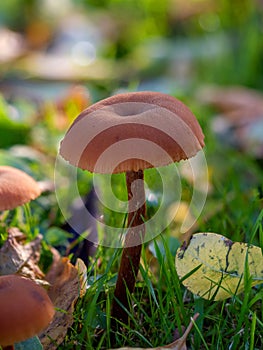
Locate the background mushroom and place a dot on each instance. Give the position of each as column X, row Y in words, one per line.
column 25, row 310
column 16, row 188
column 129, row 133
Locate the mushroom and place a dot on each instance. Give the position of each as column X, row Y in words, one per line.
column 16, row 188
column 129, row 133
column 25, row 310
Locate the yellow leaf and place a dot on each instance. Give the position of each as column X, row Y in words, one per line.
column 82, row 271
column 216, row 265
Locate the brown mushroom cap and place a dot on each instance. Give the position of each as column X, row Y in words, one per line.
column 16, row 188
column 132, row 131
column 25, row 309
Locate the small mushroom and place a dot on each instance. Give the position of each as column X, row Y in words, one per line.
column 16, row 188
column 129, row 133
column 25, row 310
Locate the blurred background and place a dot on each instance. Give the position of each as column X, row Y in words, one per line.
column 88, row 49
column 58, row 57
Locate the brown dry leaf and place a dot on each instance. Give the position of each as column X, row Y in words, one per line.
column 66, row 287
column 234, row 102
column 16, row 256
column 179, row 344
column 240, row 122
column 82, row 271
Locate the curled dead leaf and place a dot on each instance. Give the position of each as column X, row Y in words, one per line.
column 82, row 272
column 241, row 119
column 66, row 286
column 16, row 256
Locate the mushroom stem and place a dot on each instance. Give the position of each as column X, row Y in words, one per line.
column 130, row 259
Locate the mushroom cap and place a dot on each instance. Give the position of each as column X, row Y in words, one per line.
column 132, row 131
column 25, row 309
column 16, row 188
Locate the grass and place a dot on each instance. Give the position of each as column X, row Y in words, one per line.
column 157, row 308
column 162, row 306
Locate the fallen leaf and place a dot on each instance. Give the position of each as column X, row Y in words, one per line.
column 16, row 256
column 216, row 265
column 66, row 286
column 240, row 122
column 179, row 344
column 234, row 99
column 82, row 272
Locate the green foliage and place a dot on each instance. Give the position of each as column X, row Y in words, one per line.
column 161, row 305
column 57, row 237
column 10, row 130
